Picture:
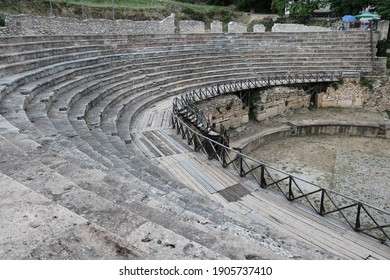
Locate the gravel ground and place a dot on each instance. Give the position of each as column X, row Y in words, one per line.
column 356, row 166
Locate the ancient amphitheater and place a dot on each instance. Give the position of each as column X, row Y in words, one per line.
column 91, row 167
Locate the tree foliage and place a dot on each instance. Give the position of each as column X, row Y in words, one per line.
column 351, row 7
column 254, row 5
column 302, row 9
column 383, row 8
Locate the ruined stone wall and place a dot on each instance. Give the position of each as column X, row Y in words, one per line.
column 4, row 31
column 36, row 25
column 278, row 27
column 235, row 27
column 383, row 28
column 216, row 27
column 227, row 110
column 349, row 94
column 258, row 28
column 278, row 100
column 352, row 93
column 191, row 26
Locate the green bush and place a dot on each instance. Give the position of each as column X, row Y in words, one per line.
column 364, row 82
column 2, row 19
column 267, row 22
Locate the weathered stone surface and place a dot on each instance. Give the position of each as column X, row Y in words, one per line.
column 279, row 27
column 236, row 27
column 276, row 101
column 258, row 28
column 227, row 110
column 216, row 26
column 36, row 25
column 191, row 26
column 349, row 94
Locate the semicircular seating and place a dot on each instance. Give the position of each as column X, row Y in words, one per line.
column 67, row 105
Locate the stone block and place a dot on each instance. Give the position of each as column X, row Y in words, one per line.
column 216, row 27
column 260, row 116
column 318, row 99
column 191, row 26
column 245, row 119
column 329, row 103
column 226, row 124
column 271, row 112
column 281, row 108
column 258, row 28
column 358, row 103
column 344, row 103
column 236, row 27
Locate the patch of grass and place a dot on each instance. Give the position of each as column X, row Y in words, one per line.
column 364, row 82
column 267, row 22
column 2, row 19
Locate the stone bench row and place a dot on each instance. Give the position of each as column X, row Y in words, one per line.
column 183, row 51
column 165, row 43
column 71, row 191
column 187, row 37
column 143, row 41
column 26, row 65
column 245, row 75
column 65, row 123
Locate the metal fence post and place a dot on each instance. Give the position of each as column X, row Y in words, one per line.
column 263, row 183
column 357, row 224
column 290, row 193
column 322, row 207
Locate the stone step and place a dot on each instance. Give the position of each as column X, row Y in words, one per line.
column 93, row 208
column 135, row 220
column 34, row 227
column 8, row 58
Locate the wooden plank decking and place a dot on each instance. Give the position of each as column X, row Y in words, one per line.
column 245, row 201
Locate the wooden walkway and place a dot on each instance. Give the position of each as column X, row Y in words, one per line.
column 241, row 199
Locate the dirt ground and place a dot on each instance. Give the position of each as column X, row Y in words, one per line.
column 356, row 166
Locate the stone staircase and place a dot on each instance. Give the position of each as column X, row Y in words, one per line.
column 73, row 183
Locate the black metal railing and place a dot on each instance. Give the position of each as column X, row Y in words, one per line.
column 360, row 216
column 258, row 82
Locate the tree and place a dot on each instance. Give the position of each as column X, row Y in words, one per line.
column 383, row 8
column 302, row 9
column 351, row 7
column 254, row 5
column 279, row 6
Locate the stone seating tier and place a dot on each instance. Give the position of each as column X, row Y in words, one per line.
column 70, row 102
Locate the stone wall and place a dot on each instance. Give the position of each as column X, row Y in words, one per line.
column 227, row 110
column 383, row 28
column 348, row 94
column 278, row 100
column 236, row 27
column 278, row 27
column 36, row 25
column 336, row 127
column 4, row 31
column 191, row 26
column 258, row 28
column 216, row 27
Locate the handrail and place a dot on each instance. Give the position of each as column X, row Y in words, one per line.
column 360, row 216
